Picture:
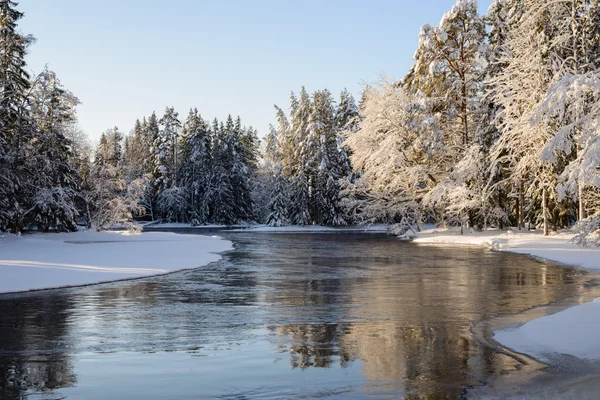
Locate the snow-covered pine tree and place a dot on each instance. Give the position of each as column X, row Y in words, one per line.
column 330, row 165
column 196, row 165
column 346, row 121
column 6, row 183
column 299, row 179
column 15, row 121
column 57, row 182
column 166, row 149
column 150, row 198
column 278, row 205
column 448, row 75
column 240, row 173
column 221, row 189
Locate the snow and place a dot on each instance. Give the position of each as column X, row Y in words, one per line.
column 570, row 332
column 315, row 229
column 555, row 247
column 573, row 331
column 44, row 260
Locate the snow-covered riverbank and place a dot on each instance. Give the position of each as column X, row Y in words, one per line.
column 46, row 260
column 573, row 331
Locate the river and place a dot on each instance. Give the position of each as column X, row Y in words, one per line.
column 283, row 316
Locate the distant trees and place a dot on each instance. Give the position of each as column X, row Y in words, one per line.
column 193, row 172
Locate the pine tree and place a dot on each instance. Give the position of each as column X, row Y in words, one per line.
column 346, row 121
column 278, row 205
column 196, row 165
column 221, row 189
column 448, row 76
column 57, row 182
column 300, row 180
column 15, row 121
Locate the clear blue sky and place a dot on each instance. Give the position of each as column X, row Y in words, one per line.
column 126, row 58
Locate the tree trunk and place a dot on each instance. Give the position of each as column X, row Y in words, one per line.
column 545, row 211
column 555, row 220
column 522, row 207
column 518, row 211
column 581, row 215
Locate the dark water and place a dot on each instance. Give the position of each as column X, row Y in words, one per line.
column 300, row 316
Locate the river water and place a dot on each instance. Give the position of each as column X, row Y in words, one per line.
column 283, row 316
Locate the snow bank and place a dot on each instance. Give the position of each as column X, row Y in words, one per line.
column 573, row 331
column 46, row 260
column 315, row 229
column 555, row 247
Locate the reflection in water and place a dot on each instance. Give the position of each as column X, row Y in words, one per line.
column 371, row 316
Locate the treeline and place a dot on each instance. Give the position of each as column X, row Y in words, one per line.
column 496, row 124
column 167, row 170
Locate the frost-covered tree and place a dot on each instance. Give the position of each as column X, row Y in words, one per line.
column 388, row 152
column 115, row 202
column 448, row 77
column 523, row 84
column 449, row 69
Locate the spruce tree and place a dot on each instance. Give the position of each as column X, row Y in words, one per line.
column 15, row 121
column 196, row 165
column 278, row 205
column 57, row 182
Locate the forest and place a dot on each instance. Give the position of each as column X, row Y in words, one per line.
column 495, row 125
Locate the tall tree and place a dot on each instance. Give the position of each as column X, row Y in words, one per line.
column 15, row 122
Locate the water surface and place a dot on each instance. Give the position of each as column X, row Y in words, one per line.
column 298, row 316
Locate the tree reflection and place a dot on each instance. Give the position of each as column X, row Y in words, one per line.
column 408, row 318
column 34, row 345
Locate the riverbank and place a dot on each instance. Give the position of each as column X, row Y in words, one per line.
column 315, row 229
column 52, row 260
column 571, row 332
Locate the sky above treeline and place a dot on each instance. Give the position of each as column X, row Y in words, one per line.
column 126, row 58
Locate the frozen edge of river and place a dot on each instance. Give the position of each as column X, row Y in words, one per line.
column 55, row 260
column 570, row 332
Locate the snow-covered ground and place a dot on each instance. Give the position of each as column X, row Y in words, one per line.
column 46, row 260
column 573, row 331
column 316, row 229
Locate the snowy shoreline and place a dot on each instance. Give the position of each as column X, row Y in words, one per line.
column 42, row 261
column 569, row 332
